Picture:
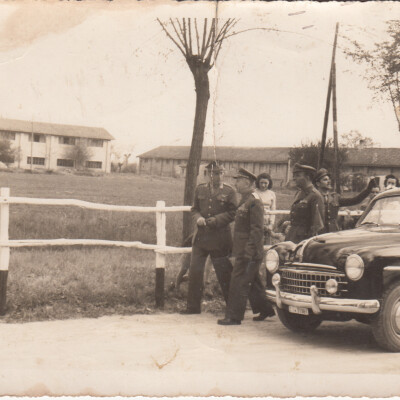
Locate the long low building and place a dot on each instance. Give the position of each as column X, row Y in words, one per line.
column 45, row 145
column 172, row 160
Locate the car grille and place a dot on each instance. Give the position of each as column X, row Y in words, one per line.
column 300, row 281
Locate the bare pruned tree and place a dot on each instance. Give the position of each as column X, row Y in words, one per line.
column 200, row 45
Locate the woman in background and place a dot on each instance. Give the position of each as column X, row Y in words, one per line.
column 267, row 196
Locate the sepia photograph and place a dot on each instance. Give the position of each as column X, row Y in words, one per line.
column 199, row 198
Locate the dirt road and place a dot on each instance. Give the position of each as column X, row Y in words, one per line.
column 170, row 354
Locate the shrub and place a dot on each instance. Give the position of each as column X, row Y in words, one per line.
column 130, row 169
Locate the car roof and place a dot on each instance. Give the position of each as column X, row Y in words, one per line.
column 388, row 193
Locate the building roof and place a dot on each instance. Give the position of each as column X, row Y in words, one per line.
column 13, row 125
column 223, row 153
column 376, row 156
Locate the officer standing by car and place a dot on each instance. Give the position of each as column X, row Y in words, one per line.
column 213, row 210
column 307, row 211
column 248, row 248
column 333, row 200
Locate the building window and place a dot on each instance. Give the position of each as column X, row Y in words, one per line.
column 7, row 135
column 67, row 140
column 95, row 143
column 36, row 160
column 37, row 137
column 93, row 164
column 64, row 162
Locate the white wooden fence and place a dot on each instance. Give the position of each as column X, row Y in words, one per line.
column 161, row 249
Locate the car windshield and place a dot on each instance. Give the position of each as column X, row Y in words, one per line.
column 385, row 211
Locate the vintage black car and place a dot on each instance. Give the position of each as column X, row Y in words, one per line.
column 352, row 274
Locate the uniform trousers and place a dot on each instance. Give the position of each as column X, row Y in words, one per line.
column 223, row 271
column 246, row 284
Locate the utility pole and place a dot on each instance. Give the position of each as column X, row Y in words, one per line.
column 336, row 172
column 32, row 145
column 328, row 102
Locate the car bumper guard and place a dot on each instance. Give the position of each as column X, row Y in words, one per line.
column 319, row 304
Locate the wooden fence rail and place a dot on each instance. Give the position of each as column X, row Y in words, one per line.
column 161, row 249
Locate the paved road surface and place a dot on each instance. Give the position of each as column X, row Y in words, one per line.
column 170, row 354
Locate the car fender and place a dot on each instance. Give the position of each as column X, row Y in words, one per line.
column 391, row 273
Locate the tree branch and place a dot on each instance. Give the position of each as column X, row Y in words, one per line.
column 219, row 39
column 190, row 35
column 185, row 36
column 170, row 36
column 183, row 32
column 212, row 44
column 222, row 29
column 222, row 37
column 197, row 36
column 394, row 105
column 397, row 85
column 203, row 46
column 208, row 39
column 176, row 33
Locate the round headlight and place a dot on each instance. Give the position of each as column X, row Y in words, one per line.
column 331, row 286
column 354, row 267
column 272, row 261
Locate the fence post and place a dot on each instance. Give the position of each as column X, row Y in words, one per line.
column 4, row 251
column 160, row 258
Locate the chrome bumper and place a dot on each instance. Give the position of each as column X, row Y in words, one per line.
column 318, row 304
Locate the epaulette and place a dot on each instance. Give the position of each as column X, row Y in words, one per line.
column 315, row 190
column 229, row 186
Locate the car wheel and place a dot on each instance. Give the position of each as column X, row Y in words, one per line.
column 386, row 325
column 299, row 323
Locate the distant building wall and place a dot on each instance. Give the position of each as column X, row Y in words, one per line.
column 177, row 168
column 371, row 170
column 48, row 152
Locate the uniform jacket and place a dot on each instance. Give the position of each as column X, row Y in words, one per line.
column 221, row 203
column 306, row 215
column 248, row 236
column 332, row 202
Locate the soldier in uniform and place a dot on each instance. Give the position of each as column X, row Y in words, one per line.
column 307, row 211
column 333, row 200
column 248, row 248
column 213, row 210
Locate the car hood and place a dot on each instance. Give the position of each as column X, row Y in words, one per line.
column 368, row 242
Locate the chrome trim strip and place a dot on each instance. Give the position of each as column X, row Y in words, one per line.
column 292, row 285
column 392, row 268
column 309, row 272
column 325, row 303
column 301, row 264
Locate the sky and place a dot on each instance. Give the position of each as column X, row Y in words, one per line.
column 109, row 64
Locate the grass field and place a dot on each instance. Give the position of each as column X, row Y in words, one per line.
column 49, row 283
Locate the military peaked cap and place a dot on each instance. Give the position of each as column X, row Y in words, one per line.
column 321, row 173
column 214, row 166
column 304, row 168
column 243, row 173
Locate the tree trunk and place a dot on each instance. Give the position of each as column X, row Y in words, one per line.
column 200, row 73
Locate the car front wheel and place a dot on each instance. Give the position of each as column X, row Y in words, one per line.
column 298, row 323
column 386, row 325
